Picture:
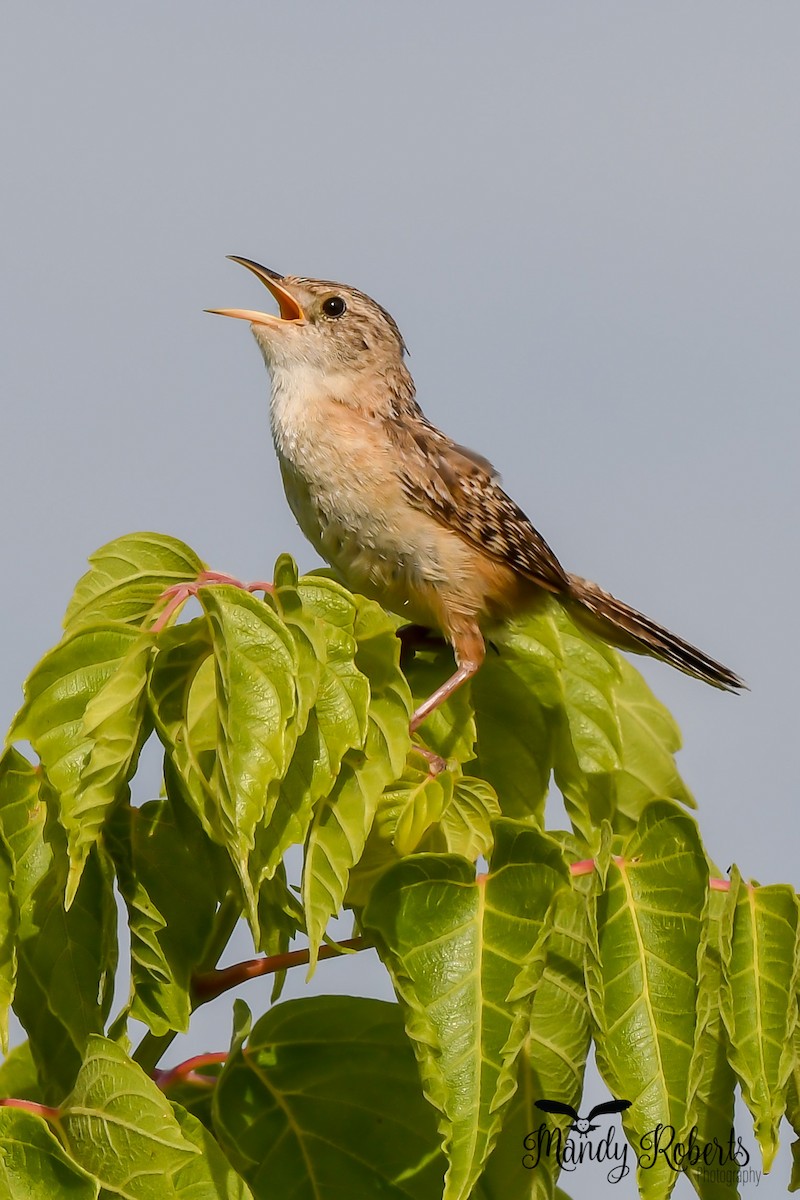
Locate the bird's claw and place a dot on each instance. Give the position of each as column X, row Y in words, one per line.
column 436, row 764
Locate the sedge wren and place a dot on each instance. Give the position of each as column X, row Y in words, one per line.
column 403, row 514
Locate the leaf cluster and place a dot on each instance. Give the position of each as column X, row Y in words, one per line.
column 284, row 723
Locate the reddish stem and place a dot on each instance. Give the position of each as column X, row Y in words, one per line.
column 211, row 984
column 187, row 1070
column 41, row 1110
column 179, row 593
column 586, row 865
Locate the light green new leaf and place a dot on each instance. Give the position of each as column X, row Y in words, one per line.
column 407, row 819
column 343, row 819
column 325, row 1102
column 209, row 1175
column 712, row 1082
column 306, row 633
column 793, row 1110
column 650, row 739
column 516, row 696
column 761, row 965
column 34, row 1164
column 466, row 823
column 66, row 959
column 337, row 723
column 465, row 956
column 116, row 722
column 544, row 699
column 168, row 874
column 183, row 699
column 84, row 715
column 257, row 688
column 643, row 980
column 551, row 696
column 17, row 788
column 421, row 799
column 18, row 1075
column 127, row 576
column 121, row 1129
column 590, row 672
column 57, row 694
column 9, row 925
column 280, row 918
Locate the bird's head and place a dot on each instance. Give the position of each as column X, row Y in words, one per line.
column 322, row 328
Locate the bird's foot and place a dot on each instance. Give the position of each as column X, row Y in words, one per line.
column 177, row 595
column 417, row 637
column 436, row 764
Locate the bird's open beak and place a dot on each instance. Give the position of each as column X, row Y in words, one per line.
column 290, row 310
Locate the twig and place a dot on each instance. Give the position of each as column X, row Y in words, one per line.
column 211, row 984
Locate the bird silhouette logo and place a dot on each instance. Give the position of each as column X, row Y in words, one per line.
column 582, row 1125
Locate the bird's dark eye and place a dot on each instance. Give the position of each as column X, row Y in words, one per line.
column 334, row 306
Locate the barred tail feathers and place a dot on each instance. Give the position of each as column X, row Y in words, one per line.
column 628, row 629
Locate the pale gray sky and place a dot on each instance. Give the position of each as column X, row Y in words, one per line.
column 584, row 218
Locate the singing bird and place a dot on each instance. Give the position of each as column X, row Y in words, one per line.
column 402, row 513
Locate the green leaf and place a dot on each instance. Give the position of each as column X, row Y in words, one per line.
column 18, row 1076
column 557, row 1046
column 466, row 823
column 325, row 1102
column 551, row 1065
column 9, row 924
column 64, row 718
column 516, row 694
column 590, row 671
column 450, row 729
column 183, row 699
column 337, row 723
column 116, row 721
column 793, row 1110
column 66, row 968
column 121, row 1129
column 127, row 576
column 465, row 956
column 209, row 1175
column 280, row 918
column 408, row 815
column 553, row 697
column 256, row 667
column 643, row 979
column 17, row 785
column 34, row 1165
column 759, row 999
column 650, row 739
column 66, row 959
column 712, row 1082
column 168, row 874
column 306, row 633
column 57, row 693
column 343, row 819
column 544, row 699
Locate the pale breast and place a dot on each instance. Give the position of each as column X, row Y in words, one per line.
column 340, row 478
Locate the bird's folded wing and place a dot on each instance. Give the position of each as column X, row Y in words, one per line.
column 460, row 489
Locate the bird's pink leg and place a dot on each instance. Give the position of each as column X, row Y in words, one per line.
column 465, row 671
column 470, row 650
